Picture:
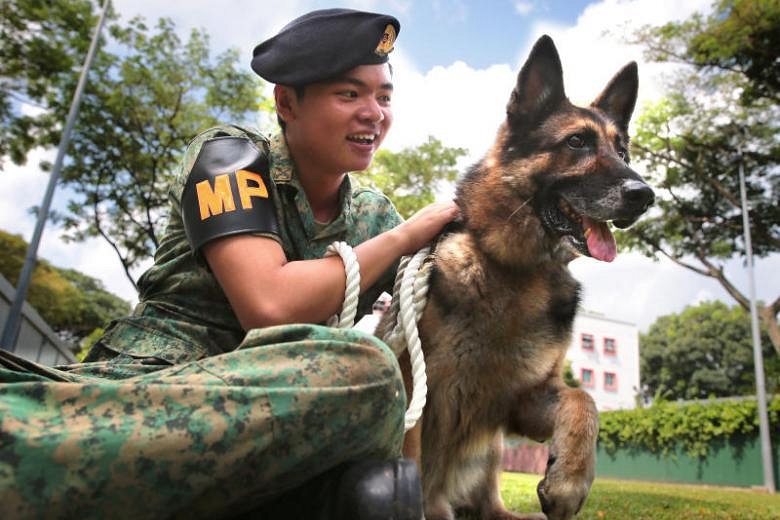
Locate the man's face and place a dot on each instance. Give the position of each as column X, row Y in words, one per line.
column 337, row 126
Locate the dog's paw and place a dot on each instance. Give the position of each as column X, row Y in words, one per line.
column 562, row 496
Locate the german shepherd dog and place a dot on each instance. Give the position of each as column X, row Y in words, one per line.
column 502, row 301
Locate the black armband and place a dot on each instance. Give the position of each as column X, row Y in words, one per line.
column 227, row 193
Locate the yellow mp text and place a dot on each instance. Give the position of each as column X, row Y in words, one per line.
column 213, row 201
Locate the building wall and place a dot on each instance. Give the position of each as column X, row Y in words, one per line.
column 623, row 363
column 36, row 341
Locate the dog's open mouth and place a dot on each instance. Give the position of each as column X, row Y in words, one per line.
column 589, row 237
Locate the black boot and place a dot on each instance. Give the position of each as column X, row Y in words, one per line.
column 366, row 490
column 376, row 490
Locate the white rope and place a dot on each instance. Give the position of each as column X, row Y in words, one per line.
column 412, row 302
column 409, row 297
column 347, row 317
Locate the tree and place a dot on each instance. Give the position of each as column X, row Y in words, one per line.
column 568, row 376
column 42, row 47
column 719, row 104
column 705, row 351
column 72, row 303
column 412, row 176
column 141, row 107
column 148, row 94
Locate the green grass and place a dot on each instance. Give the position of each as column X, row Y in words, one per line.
column 624, row 499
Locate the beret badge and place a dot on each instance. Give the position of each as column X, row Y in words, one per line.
column 385, row 45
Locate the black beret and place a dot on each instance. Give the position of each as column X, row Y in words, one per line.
column 323, row 44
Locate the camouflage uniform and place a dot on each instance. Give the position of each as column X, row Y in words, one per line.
column 177, row 411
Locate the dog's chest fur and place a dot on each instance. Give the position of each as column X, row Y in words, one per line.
column 508, row 329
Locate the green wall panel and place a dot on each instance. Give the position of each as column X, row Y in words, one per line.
column 736, row 462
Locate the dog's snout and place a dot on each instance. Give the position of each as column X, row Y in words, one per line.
column 637, row 195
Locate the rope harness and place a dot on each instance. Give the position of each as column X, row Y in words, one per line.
column 409, row 296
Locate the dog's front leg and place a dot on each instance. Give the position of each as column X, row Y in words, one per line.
column 570, row 415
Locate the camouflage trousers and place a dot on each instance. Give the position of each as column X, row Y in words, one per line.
column 208, row 438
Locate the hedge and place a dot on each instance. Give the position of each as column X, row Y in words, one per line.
column 665, row 425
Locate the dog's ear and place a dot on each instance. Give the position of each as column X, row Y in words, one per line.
column 619, row 97
column 539, row 87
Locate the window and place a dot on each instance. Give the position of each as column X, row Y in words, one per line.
column 586, row 377
column 610, row 381
column 610, row 346
column 587, row 341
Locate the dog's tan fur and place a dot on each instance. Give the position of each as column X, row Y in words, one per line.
column 501, row 302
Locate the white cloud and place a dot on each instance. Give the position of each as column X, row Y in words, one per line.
column 593, row 50
column 457, row 104
column 523, row 7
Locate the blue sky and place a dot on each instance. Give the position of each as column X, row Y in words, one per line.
column 478, row 33
column 455, row 64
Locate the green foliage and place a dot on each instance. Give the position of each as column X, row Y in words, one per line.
column 665, row 425
column 42, row 47
column 705, row 351
column 739, row 36
column 720, row 116
column 412, row 176
column 569, row 377
column 689, row 152
column 72, row 303
column 87, row 342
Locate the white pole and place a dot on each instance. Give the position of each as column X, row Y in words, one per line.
column 11, row 327
column 758, row 358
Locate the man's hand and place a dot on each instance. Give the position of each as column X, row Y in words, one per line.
column 424, row 225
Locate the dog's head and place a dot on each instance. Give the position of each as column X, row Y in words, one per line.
column 577, row 157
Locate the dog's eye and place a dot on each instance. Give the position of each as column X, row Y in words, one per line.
column 576, row 141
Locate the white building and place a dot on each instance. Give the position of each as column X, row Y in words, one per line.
column 604, row 356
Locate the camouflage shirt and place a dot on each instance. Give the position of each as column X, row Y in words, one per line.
column 183, row 313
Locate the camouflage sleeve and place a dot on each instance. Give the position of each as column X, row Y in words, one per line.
column 190, row 161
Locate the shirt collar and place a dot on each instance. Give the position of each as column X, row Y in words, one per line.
column 282, row 171
column 282, row 167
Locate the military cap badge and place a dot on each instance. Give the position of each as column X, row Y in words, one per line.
column 385, row 46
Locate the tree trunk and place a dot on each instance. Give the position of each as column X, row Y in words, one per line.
column 768, row 315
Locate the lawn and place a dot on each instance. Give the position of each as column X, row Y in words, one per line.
column 624, row 499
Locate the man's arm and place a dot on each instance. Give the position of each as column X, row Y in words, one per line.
column 265, row 289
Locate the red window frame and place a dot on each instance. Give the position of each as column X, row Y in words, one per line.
column 612, row 352
column 582, row 341
column 592, row 382
column 614, row 386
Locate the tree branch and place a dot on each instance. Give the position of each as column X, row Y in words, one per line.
column 708, row 179
column 658, row 249
column 107, row 238
column 774, row 307
column 717, row 273
column 768, row 314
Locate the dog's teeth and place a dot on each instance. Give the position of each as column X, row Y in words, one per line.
column 587, row 232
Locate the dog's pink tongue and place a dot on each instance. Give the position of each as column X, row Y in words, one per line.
column 601, row 243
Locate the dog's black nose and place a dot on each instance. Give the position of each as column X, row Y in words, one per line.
column 637, row 195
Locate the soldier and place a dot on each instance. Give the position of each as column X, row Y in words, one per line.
column 219, row 396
